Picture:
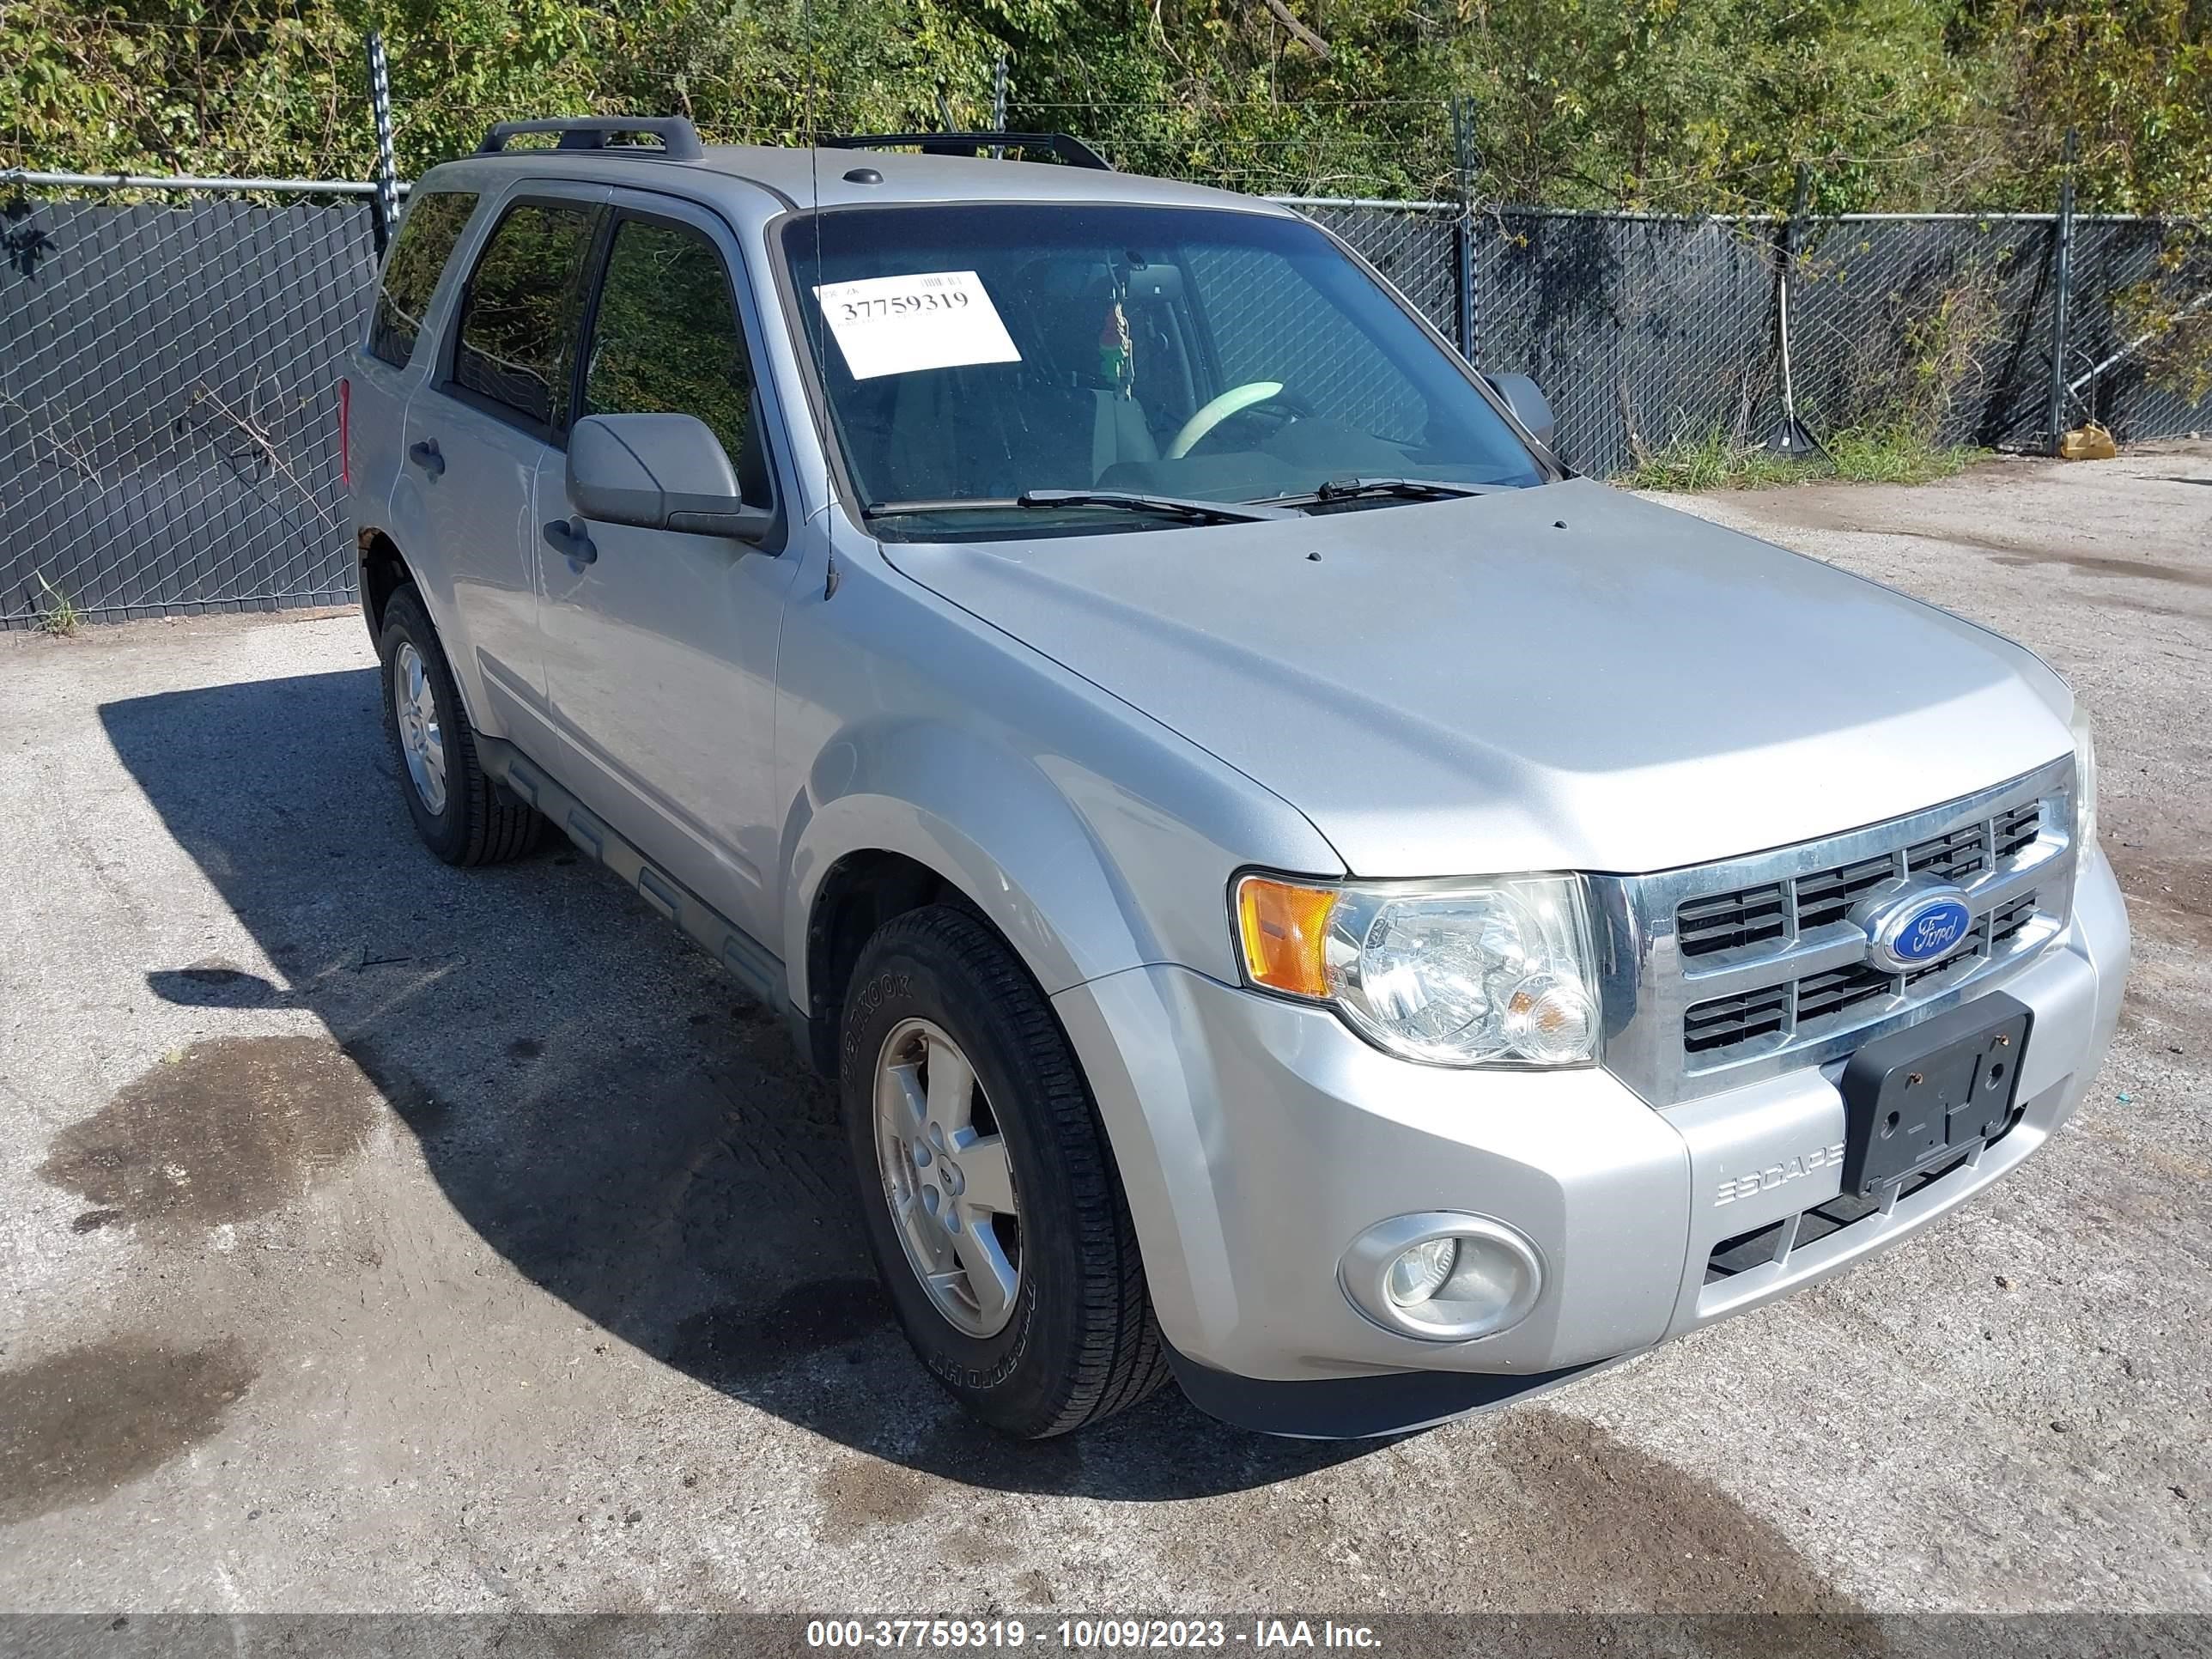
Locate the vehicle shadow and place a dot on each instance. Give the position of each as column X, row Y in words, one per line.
column 596, row 1099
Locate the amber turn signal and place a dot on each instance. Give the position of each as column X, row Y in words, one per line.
column 1284, row 931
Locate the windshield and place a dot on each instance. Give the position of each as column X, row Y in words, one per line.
column 973, row 353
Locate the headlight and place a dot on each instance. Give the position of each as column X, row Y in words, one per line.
column 1495, row 972
column 2085, row 779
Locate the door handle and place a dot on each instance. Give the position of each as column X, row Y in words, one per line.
column 425, row 455
column 570, row 542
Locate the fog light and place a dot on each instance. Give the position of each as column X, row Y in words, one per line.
column 1420, row 1273
column 1442, row 1277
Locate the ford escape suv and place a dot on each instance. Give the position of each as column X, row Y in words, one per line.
column 1297, row 890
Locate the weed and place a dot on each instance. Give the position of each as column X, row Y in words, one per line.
column 1716, row 461
column 58, row 615
column 1894, row 452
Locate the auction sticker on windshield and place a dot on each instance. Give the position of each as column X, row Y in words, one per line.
column 933, row 319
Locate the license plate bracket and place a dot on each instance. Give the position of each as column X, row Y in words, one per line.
column 1932, row 1092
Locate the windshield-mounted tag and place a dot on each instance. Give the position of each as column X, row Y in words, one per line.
column 1117, row 352
column 897, row 325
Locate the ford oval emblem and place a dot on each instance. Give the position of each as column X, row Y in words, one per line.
column 1913, row 925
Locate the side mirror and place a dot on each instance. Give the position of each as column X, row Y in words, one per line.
column 1529, row 405
column 660, row 472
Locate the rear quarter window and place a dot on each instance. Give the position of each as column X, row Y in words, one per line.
column 427, row 231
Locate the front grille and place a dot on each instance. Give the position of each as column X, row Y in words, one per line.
column 2002, row 925
column 1726, row 1021
column 1752, row 915
column 1960, row 856
column 1827, row 898
column 1820, row 995
column 1742, row 968
column 1748, row 1016
column 1747, row 917
column 2018, row 829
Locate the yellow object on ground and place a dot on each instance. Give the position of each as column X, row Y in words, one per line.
column 2088, row 442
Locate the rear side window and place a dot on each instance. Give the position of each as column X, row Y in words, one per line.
column 667, row 341
column 427, row 231
column 517, row 316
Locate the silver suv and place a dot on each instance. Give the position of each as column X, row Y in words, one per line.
column 1298, row 892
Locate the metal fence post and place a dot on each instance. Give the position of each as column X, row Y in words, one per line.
column 1464, row 165
column 999, row 103
column 385, row 212
column 2063, row 296
column 1791, row 437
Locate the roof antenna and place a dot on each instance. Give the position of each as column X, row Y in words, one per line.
column 814, row 319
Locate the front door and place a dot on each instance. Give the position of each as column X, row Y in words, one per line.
column 660, row 652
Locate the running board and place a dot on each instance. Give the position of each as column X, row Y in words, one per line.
column 750, row 962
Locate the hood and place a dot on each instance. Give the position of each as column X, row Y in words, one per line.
column 1567, row 677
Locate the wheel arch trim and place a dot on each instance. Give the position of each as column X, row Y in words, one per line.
column 371, row 540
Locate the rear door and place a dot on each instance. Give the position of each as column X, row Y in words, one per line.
column 476, row 437
column 661, row 653
column 392, row 359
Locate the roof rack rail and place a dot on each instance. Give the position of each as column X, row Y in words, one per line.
column 1073, row 151
column 680, row 139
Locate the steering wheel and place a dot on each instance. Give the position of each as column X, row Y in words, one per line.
column 1234, row 401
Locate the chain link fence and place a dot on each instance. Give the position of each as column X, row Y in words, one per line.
column 168, row 405
column 1415, row 244
column 168, row 360
column 1642, row 331
column 1651, row 332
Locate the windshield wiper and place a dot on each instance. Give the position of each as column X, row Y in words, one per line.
column 1124, row 501
column 1130, row 501
column 1412, row 489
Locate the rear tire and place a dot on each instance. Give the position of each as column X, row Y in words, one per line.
column 463, row 816
column 937, row 995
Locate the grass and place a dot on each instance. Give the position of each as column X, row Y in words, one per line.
column 1864, row 454
column 58, row 615
column 1894, row 453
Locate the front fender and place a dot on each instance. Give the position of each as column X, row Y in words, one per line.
column 1094, row 838
column 991, row 821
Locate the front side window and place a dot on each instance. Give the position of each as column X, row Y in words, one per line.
column 427, row 231
column 666, row 340
column 970, row 355
column 517, row 317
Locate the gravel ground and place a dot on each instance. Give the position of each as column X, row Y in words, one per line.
column 382, row 1236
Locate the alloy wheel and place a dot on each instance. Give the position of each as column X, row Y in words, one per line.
column 946, row 1178
column 421, row 738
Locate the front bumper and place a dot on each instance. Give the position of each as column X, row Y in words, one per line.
column 1256, row 1137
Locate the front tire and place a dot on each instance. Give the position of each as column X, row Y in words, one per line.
column 987, row 1192
column 462, row 815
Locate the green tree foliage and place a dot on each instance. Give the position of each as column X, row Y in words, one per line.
column 1660, row 104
